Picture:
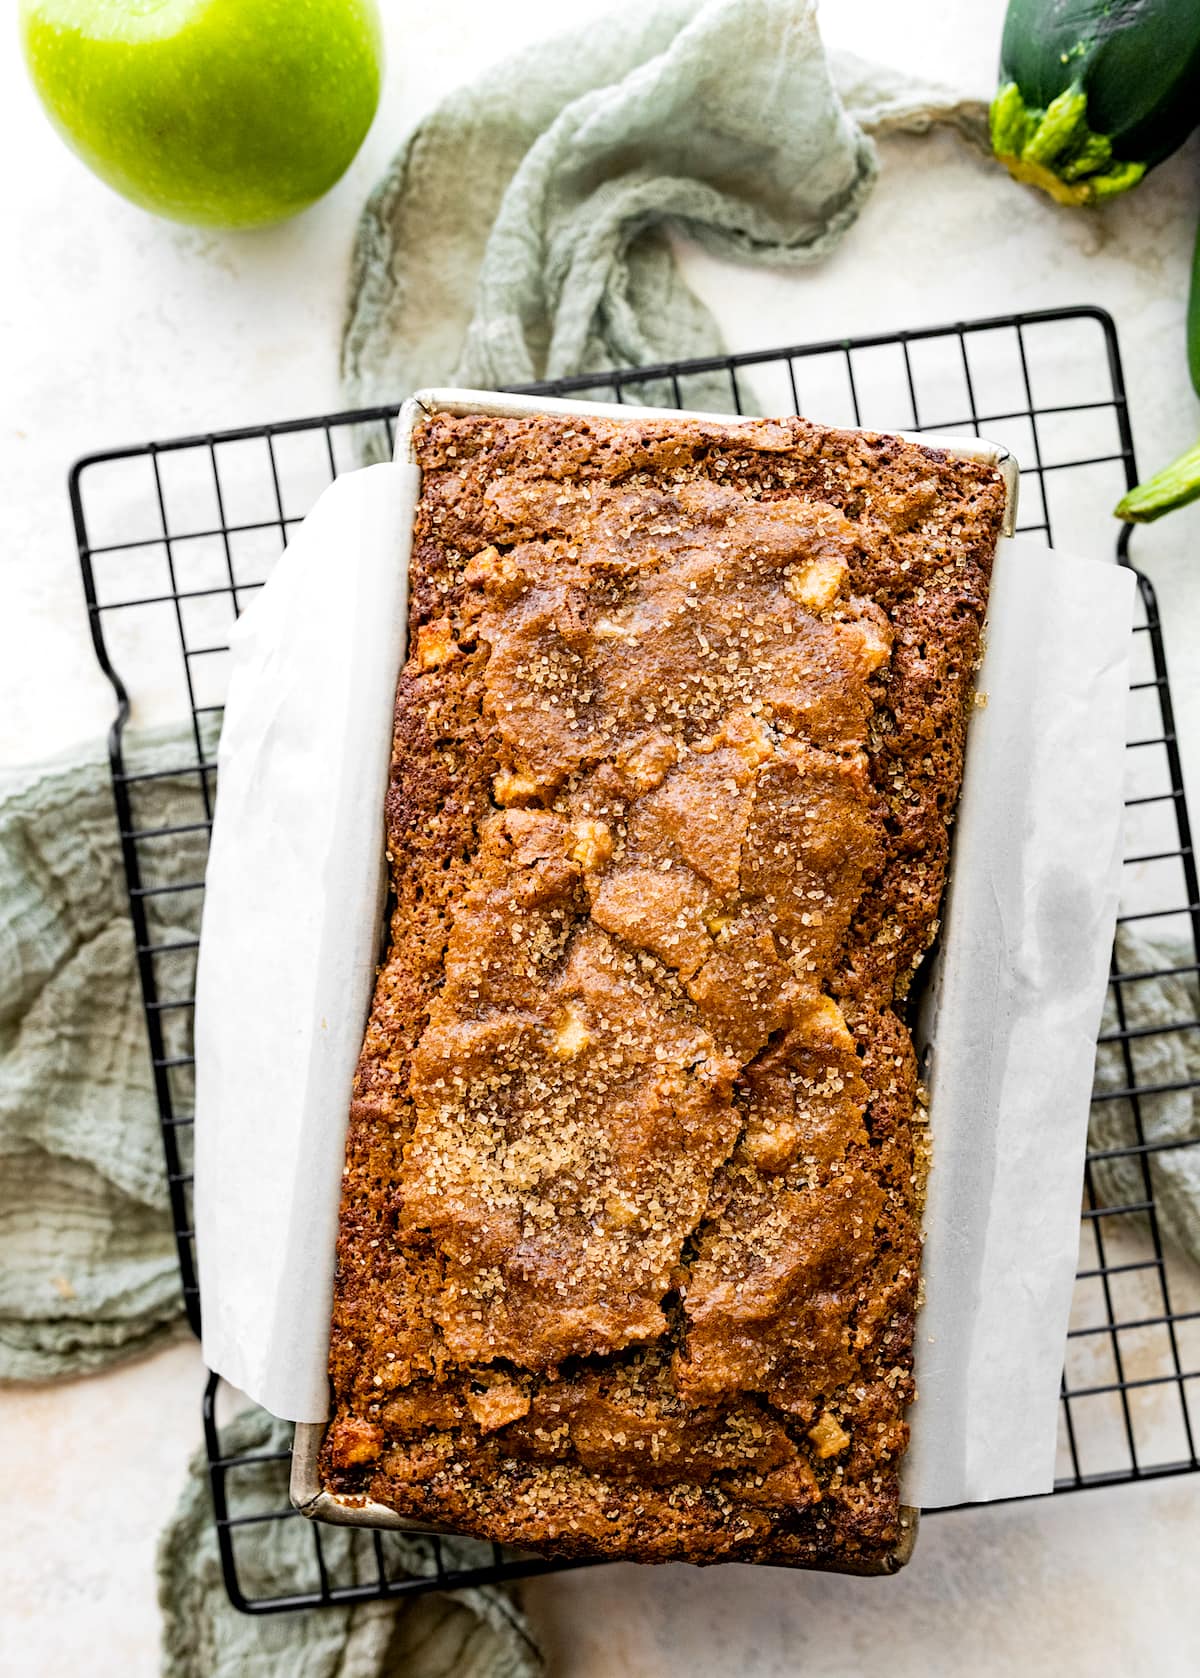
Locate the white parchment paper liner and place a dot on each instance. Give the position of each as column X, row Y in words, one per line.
column 1009, row 1024
column 290, row 934
column 291, row 931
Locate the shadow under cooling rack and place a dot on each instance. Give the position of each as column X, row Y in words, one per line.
column 175, row 538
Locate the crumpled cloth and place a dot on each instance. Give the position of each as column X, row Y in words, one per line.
column 1170, row 1118
column 521, row 231
column 88, row 1272
column 474, row 1633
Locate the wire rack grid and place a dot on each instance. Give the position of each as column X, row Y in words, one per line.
column 176, row 537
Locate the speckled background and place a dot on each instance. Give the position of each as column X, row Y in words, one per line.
column 115, row 327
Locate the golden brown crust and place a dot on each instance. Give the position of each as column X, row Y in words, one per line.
column 629, row 1238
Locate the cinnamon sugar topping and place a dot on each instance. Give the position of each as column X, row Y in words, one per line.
column 630, row 1208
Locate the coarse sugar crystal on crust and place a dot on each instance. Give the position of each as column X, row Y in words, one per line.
column 629, row 1242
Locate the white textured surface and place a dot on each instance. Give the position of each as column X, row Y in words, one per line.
column 1016, row 1591
column 117, row 328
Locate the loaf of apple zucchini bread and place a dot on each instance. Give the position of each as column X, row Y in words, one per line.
column 630, row 1233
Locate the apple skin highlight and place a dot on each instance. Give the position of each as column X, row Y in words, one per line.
column 222, row 113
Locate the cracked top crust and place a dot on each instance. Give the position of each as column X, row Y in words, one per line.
column 629, row 1240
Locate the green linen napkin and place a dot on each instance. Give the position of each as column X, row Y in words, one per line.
column 88, row 1272
column 522, row 231
column 1162, row 1058
column 475, row 1633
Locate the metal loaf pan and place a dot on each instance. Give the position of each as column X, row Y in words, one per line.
column 308, row 1495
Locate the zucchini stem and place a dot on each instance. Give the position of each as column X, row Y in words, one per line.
column 1056, row 150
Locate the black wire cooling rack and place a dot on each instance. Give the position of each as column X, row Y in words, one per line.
column 176, row 537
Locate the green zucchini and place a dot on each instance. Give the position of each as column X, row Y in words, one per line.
column 1175, row 486
column 1178, row 483
column 1095, row 92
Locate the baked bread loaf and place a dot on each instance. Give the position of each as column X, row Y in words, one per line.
column 630, row 1244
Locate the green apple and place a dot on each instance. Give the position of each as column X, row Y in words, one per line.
column 224, row 112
